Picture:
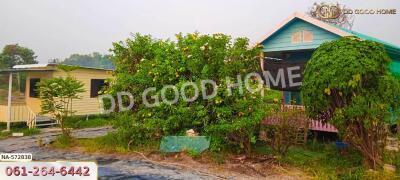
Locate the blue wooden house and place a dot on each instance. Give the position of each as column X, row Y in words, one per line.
column 296, row 38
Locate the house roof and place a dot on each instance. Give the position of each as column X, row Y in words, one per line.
column 6, row 71
column 28, row 66
column 304, row 17
column 393, row 49
column 37, row 66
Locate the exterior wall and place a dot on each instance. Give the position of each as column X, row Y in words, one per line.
column 22, row 109
column 282, row 39
column 86, row 105
column 34, row 103
column 3, row 113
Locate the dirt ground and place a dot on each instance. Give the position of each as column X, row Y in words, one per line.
column 239, row 167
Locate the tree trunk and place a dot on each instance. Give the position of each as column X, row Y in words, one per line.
column 370, row 142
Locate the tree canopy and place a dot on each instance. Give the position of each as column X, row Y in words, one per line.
column 13, row 54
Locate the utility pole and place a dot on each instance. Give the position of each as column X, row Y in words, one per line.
column 9, row 102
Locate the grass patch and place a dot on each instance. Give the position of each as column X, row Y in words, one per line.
column 325, row 162
column 79, row 122
column 393, row 158
column 110, row 144
column 63, row 142
column 17, row 128
column 30, row 132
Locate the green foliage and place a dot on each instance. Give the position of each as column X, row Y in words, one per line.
column 57, row 95
column 67, row 68
column 142, row 62
column 94, row 60
column 194, row 154
column 348, row 82
column 13, row 54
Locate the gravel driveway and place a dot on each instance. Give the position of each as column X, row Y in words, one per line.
column 110, row 166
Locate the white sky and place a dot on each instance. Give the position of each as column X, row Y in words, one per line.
column 58, row 28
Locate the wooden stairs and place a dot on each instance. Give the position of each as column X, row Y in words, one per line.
column 301, row 136
column 44, row 121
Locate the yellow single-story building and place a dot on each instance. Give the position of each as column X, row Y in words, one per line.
column 20, row 102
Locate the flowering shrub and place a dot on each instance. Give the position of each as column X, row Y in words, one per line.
column 229, row 117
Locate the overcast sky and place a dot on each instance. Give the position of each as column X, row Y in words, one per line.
column 58, row 28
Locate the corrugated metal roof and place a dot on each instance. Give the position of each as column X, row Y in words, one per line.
column 34, row 66
column 27, row 66
column 366, row 37
column 3, row 71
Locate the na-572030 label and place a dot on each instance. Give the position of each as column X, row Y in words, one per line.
column 16, row 157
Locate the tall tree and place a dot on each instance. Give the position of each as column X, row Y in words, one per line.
column 13, row 54
column 95, row 60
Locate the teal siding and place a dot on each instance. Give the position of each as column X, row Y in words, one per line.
column 282, row 39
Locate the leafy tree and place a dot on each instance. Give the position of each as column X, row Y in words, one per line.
column 14, row 54
column 57, row 95
column 142, row 62
column 348, row 82
column 94, row 60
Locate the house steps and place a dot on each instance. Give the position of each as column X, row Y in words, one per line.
column 44, row 121
column 300, row 136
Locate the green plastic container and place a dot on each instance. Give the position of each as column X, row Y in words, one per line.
column 197, row 144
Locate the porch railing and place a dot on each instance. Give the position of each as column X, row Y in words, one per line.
column 31, row 121
column 19, row 113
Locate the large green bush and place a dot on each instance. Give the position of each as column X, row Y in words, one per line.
column 348, row 83
column 143, row 62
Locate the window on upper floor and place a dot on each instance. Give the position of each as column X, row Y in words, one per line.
column 296, row 37
column 302, row 37
column 307, row 36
